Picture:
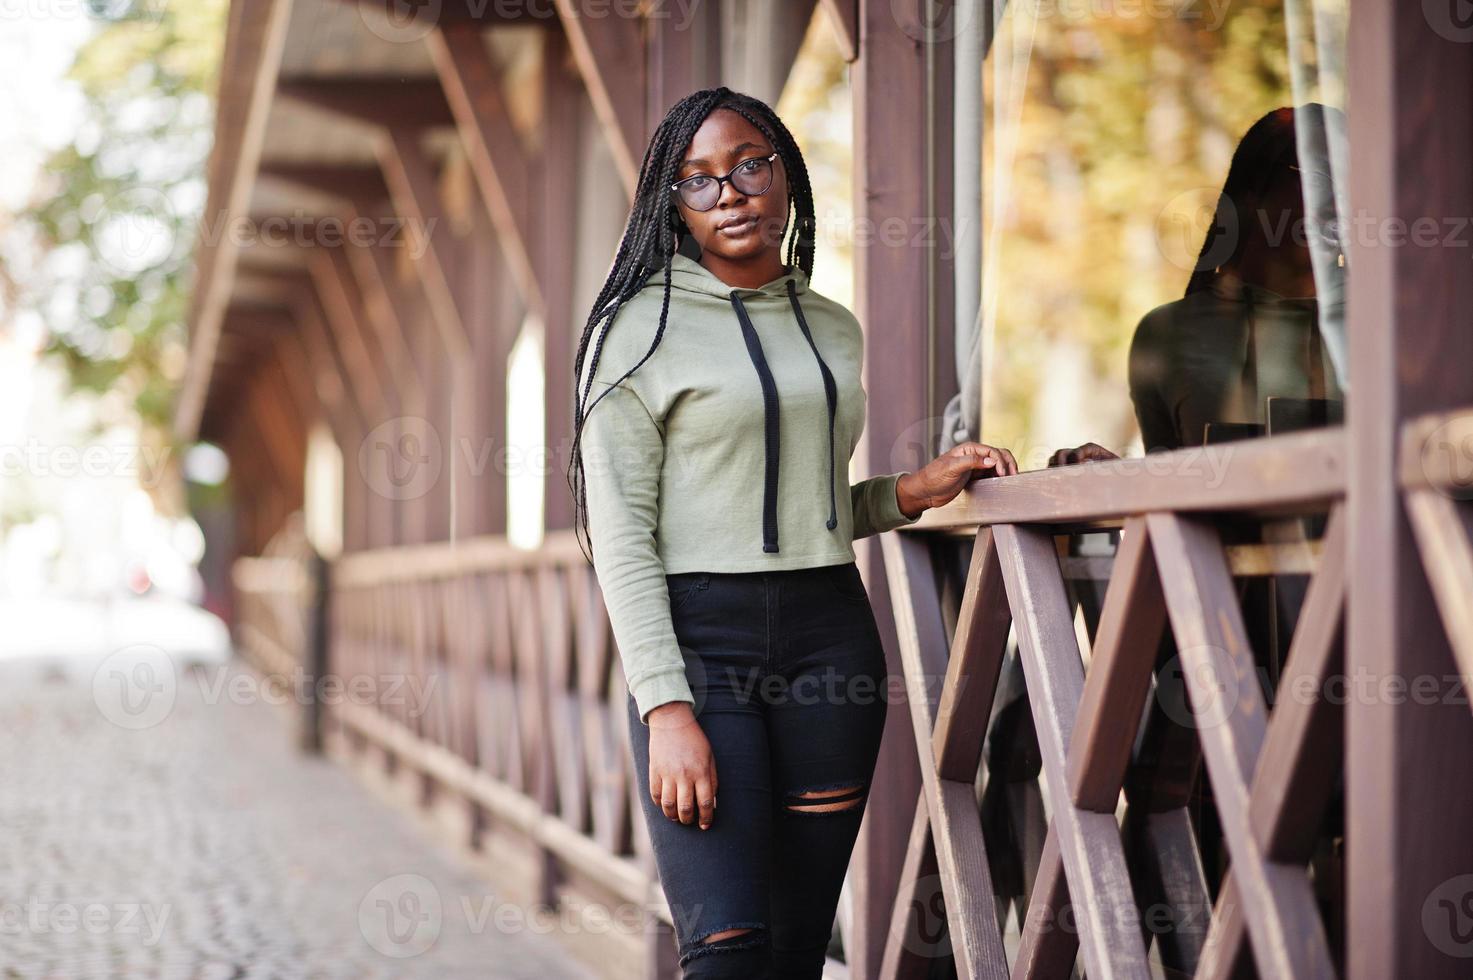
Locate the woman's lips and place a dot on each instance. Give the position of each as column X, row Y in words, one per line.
column 737, row 229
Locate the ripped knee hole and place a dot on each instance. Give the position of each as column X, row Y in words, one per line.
column 827, row 801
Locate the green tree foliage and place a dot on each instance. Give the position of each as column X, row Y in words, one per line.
column 115, row 216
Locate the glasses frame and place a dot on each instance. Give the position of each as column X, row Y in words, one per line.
column 675, row 187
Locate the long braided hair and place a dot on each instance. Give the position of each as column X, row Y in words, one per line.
column 655, row 230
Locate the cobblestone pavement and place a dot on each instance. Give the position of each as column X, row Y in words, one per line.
column 192, row 840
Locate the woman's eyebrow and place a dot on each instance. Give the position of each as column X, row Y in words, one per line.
column 706, row 163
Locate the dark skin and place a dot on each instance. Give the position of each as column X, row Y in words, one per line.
column 682, row 769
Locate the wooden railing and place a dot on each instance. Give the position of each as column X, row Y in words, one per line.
column 1071, row 803
column 1063, row 754
column 490, row 673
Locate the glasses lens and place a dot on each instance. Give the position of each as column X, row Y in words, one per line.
column 700, row 193
column 753, row 176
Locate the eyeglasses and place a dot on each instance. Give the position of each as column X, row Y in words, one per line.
column 701, row 192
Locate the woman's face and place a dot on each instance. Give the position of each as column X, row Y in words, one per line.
column 741, row 227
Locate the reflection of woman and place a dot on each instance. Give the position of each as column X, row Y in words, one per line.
column 1247, row 328
column 722, row 521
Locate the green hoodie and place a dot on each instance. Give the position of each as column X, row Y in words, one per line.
column 715, row 454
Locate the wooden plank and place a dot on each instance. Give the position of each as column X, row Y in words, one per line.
column 388, row 101
column 254, row 48
column 1303, row 751
column 1441, row 533
column 609, row 52
column 972, row 670
column 493, row 148
column 1047, row 947
column 1089, row 843
column 1288, row 936
column 1408, row 803
column 914, row 931
column 1297, row 473
column 1119, row 679
column 843, row 17
column 961, row 854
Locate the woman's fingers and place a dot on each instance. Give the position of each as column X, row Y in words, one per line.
column 686, row 801
column 706, row 801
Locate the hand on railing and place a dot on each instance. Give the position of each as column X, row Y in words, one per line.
column 940, row 480
column 682, row 766
column 1090, row 452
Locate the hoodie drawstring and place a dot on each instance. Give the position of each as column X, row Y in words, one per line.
column 831, row 391
column 771, row 417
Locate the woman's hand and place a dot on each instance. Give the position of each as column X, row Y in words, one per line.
column 682, row 768
column 943, row 478
column 1090, row 452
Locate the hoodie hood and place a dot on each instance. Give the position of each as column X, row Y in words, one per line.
column 689, row 275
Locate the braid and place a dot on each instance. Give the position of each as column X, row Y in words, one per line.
column 650, row 239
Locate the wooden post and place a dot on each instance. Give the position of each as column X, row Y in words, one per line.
column 1409, row 799
column 895, row 181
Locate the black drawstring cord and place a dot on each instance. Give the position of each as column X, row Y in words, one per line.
column 830, row 390
column 770, row 420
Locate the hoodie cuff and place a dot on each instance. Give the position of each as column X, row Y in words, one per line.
column 662, row 687
column 890, row 515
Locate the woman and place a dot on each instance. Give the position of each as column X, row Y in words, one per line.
column 720, row 518
column 1247, row 327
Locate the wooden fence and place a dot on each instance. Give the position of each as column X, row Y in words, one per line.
column 1084, row 680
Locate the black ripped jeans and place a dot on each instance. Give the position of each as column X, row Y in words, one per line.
column 790, row 685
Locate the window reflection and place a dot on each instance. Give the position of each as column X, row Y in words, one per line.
column 1241, row 353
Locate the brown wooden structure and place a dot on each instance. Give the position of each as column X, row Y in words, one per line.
column 453, row 130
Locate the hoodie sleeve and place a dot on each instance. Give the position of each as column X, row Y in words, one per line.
column 876, row 506
column 623, row 452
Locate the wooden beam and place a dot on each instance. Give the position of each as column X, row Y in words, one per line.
column 1088, row 842
column 483, row 13
column 386, row 101
column 1408, row 801
column 609, row 52
column 961, row 853
column 1299, row 473
column 341, row 182
column 254, row 49
column 972, row 669
column 493, row 148
column 843, row 17
column 1288, row 937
